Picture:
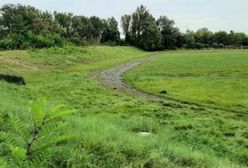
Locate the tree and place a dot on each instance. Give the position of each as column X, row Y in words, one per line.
column 170, row 34
column 189, row 39
column 65, row 22
column 203, row 36
column 2, row 29
column 80, row 25
column 139, row 18
column 221, row 37
column 150, row 38
column 236, row 39
column 141, row 30
column 24, row 27
column 44, row 24
column 19, row 18
column 110, row 32
column 126, row 26
column 239, row 38
column 96, row 28
column 245, row 43
column 17, row 24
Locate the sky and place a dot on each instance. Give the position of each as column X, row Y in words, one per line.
column 188, row 14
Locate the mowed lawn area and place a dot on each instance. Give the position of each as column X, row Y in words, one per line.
column 212, row 77
column 105, row 130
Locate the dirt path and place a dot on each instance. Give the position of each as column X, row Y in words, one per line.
column 113, row 78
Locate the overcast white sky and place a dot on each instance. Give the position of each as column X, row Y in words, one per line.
column 192, row 14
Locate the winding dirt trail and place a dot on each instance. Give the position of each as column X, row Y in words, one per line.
column 113, row 78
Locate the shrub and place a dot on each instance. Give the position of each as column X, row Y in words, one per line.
column 199, row 45
column 78, row 40
column 7, row 43
column 215, row 45
column 48, row 40
column 31, row 143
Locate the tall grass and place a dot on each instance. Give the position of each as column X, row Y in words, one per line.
column 106, row 129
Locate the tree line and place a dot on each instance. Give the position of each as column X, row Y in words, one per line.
column 141, row 29
column 24, row 27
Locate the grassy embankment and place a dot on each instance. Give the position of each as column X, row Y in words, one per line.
column 104, row 132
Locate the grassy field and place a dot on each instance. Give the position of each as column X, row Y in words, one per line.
column 105, row 130
column 211, row 77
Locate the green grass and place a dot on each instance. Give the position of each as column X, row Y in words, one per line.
column 211, row 77
column 105, row 129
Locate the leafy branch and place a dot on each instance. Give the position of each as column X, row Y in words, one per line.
column 28, row 141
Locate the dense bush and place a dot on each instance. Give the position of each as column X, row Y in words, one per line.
column 7, row 43
column 78, row 40
column 47, row 40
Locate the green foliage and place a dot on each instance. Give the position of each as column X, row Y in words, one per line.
column 110, row 32
column 126, row 26
column 7, row 43
column 23, row 27
column 29, row 143
column 78, row 40
column 203, row 38
column 47, row 40
column 141, row 31
column 150, row 38
column 169, row 34
column 105, row 131
column 64, row 20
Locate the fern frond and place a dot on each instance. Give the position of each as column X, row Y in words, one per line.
column 40, row 158
column 31, row 144
column 56, row 108
column 12, row 139
column 52, row 127
column 19, row 127
column 60, row 114
column 38, row 110
column 45, row 142
column 18, row 153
